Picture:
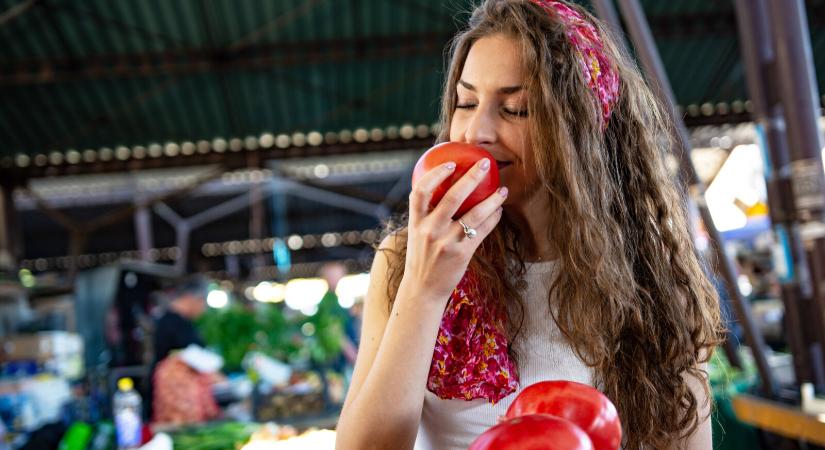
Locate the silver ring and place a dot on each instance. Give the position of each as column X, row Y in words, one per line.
column 468, row 231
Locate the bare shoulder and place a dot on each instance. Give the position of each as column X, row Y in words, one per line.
column 394, row 241
column 388, row 257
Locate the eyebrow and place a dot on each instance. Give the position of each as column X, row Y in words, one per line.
column 503, row 90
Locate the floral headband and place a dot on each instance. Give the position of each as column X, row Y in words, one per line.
column 600, row 75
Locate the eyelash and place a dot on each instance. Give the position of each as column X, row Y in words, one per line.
column 507, row 111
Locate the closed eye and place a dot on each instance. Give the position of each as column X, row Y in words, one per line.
column 517, row 113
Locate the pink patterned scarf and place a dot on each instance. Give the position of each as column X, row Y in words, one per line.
column 470, row 359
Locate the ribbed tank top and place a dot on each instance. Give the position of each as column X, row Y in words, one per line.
column 543, row 355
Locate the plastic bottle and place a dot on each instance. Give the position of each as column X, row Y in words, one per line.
column 127, row 413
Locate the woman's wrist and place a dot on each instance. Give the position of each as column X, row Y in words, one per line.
column 409, row 292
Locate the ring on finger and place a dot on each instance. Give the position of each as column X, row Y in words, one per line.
column 470, row 232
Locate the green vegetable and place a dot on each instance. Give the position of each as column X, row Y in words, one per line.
column 223, row 436
column 265, row 328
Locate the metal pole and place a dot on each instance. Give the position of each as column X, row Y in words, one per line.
column 9, row 239
column 606, row 11
column 814, row 325
column 143, row 231
column 281, row 254
column 797, row 84
column 182, row 241
column 797, row 81
column 16, row 10
column 646, row 50
column 759, row 58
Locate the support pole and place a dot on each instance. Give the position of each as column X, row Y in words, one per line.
column 759, row 57
column 796, row 82
column 10, row 244
column 143, row 232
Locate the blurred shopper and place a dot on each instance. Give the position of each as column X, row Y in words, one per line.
column 175, row 330
column 330, row 307
column 352, row 328
column 352, row 332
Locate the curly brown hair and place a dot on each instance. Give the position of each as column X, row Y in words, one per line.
column 637, row 305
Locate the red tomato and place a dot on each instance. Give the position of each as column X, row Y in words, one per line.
column 464, row 156
column 533, row 432
column 579, row 403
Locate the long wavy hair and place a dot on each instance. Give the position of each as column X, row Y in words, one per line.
column 635, row 303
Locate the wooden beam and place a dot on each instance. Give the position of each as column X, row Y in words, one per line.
column 784, row 420
column 188, row 61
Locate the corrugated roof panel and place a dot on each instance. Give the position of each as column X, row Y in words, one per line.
column 30, row 35
column 341, row 87
column 82, row 27
column 8, row 50
column 22, row 135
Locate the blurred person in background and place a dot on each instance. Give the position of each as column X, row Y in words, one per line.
column 332, row 274
column 352, row 333
column 175, row 327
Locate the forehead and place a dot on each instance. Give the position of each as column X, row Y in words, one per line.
column 494, row 61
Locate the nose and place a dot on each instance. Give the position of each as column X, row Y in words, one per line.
column 481, row 128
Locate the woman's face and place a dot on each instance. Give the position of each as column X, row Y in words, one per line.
column 491, row 111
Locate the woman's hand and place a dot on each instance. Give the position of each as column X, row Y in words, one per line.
column 438, row 252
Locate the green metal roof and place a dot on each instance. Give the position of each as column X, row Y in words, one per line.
column 106, row 73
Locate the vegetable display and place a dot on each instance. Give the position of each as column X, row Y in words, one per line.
column 556, row 415
column 579, row 403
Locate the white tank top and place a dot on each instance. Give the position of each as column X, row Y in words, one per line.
column 543, row 355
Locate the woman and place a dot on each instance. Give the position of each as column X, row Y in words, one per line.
column 581, row 268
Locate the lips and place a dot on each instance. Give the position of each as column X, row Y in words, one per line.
column 503, row 164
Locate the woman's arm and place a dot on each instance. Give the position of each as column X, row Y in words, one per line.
column 383, row 407
column 384, row 402
column 701, row 439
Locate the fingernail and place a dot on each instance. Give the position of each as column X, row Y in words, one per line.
column 485, row 164
column 450, row 166
column 503, row 191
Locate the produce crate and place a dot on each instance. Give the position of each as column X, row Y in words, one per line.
column 277, row 405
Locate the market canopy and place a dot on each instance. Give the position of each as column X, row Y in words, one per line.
column 142, row 99
column 98, row 80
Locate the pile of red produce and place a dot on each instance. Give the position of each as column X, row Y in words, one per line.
column 182, row 394
column 556, row 415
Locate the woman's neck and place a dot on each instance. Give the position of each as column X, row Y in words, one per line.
column 532, row 223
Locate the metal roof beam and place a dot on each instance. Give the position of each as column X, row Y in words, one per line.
column 230, row 160
column 179, row 62
column 15, row 11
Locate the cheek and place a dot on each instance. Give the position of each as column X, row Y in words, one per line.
column 456, row 129
column 522, row 178
column 517, row 141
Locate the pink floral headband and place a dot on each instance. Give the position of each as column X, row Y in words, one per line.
column 600, row 75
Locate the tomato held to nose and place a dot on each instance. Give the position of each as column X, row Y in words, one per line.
column 464, row 156
column 579, row 403
column 533, row 432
